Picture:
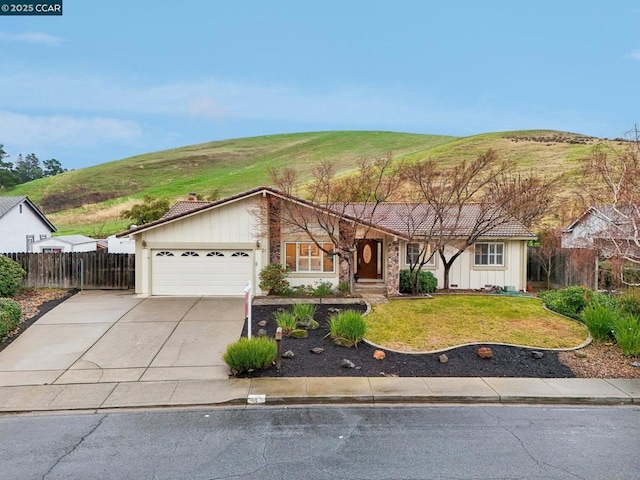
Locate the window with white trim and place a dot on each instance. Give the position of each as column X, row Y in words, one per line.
column 416, row 250
column 489, row 254
column 302, row 257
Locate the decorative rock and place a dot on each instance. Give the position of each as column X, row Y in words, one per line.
column 537, row 355
column 485, row 352
column 347, row 363
column 279, row 309
column 263, row 323
column 579, row 354
column 288, row 354
column 379, row 355
column 333, row 310
column 635, row 364
column 262, row 332
column 443, row 358
column 298, row 333
column 317, row 350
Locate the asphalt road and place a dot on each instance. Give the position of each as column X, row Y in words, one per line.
column 433, row 442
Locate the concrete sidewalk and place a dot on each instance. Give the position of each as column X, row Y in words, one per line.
column 297, row 391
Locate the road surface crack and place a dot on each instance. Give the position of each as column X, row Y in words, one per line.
column 82, row 439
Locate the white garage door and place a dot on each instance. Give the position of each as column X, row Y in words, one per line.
column 200, row 272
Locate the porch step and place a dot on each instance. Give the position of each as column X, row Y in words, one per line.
column 370, row 287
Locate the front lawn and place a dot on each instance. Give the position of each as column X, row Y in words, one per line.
column 449, row 320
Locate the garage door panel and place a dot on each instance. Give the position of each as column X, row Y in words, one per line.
column 223, row 272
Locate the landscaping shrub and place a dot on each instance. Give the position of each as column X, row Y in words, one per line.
column 11, row 274
column 629, row 301
column 427, row 282
column 250, row 354
column 604, row 299
column 343, row 287
column 303, row 311
column 285, row 320
column 302, row 291
column 347, row 327
column 10, row 314
column 568, row 301
column 626, row 331
column 273, row 278
column 599, row 319
column 323, row 289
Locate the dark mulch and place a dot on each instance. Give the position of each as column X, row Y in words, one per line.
column 463, row 361
column 42, row 307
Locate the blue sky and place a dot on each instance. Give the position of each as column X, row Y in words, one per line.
column 116, row 78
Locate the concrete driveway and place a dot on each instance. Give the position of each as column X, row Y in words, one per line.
column 112, row 336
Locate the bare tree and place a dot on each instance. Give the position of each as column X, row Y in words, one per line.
column 546, row 247
column 612, row 182
column 456, row 207
column 332, row 211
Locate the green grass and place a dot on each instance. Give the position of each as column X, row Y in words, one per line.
column 235, row 165
column 450, row 320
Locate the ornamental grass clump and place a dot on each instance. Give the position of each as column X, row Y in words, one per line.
column 599, row 319
column 626, row 331
column 10, row 314
column 247, row 355
column 304, row 313
column 285, row 320
column 347, row 327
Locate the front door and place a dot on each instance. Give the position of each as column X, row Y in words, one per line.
column 368, row 259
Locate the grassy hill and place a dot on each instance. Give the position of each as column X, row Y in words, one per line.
column 90, row 200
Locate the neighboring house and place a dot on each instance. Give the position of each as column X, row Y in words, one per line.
column 609, row 231
column 120, row 245
column 21, row 224
column 216, row 247
column 66, row 244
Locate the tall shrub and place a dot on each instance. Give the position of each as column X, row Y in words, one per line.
column 10, row 314
column 11, row 274
column 273, row 278
column 427, row 282
column 568, row 301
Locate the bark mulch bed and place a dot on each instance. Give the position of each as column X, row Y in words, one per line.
column 34, row 303
column 462, row 361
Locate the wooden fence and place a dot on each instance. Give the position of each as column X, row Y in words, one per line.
column 85, row 270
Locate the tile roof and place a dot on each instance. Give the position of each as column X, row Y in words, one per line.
column 411, row 219
column 183, row 207
column 391, row 218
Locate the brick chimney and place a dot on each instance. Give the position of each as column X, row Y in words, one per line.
column 192, row 197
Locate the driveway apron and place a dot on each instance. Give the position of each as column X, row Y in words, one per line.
column 112, row 336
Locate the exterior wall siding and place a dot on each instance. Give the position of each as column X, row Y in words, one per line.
column 15, row 226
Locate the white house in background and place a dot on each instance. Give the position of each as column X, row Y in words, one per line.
column 21, row 224
column 65, row 244
column 120, row 245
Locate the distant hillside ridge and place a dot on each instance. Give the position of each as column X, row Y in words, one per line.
column 89, row 200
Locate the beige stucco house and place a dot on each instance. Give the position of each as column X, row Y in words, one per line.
column 215, row 248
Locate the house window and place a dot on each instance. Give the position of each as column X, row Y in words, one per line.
column 43, row 236
column 414, row 250
column 308, row 257
column 190, row 254
column 51, row 250
column 489, row 254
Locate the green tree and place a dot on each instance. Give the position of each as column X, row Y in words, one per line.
column 28, row 168
column 8, row 177
column 52, row 167
column 149, row 210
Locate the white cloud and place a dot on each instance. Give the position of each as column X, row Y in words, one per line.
column 28, row 132
column 32, row 37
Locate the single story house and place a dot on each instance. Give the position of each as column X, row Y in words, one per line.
column 120, row 245
column 215, row 248
column 21, row 224
column 65, row 244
